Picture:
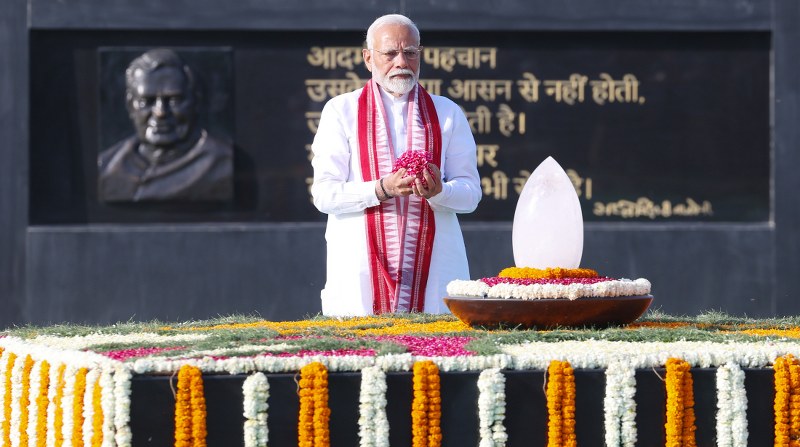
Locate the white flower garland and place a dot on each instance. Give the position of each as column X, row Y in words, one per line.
column 107, row 393
column 66, row 403
column 492, row 408
column 92, row 376
column 619, row 406
column 595, row 354
column 52, row 389
column 33, row 404
column 3, row 365
column 731, row 407
column 87, row 341
column 621, row 359
column 16, row 397
column 373, row 424
column 256, row 392
column 122, row 407
column 612, row 288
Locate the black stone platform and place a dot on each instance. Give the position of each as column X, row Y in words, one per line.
column 152, row 407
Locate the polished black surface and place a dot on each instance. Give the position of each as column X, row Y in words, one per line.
column 687, row 138
column 152, row 407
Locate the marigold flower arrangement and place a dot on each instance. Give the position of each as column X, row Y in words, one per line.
column 314, row 416
column 560, row 405
column 426, row 413
column 190, row 409
column 680, row 426
column 77, row 406
column 37, row 434
column 58, row 392
column 7, row 399
column 787, row 390
column 547, row 273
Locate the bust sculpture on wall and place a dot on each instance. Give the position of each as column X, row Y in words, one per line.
column 170, row 157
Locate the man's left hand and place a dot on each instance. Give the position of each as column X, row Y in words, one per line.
column 434, row 182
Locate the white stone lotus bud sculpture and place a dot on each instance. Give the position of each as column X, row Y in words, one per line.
column 548, row 223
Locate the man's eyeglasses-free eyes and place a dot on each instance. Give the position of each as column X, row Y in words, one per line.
column 411, row 54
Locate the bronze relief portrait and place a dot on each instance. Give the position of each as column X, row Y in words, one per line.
column 170, row 155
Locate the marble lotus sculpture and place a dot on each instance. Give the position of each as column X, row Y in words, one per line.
column 548, row 223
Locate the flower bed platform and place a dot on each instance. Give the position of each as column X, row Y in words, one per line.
column 401, row 380
column 152, row 407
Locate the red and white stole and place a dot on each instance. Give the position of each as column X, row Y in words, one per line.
column 400, row 230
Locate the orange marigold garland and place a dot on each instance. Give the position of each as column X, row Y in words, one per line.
column 313, row 422
column 568, row 407
column 305, row 418
column 190, row 408
column 6, row 426
column 41, row 404
column 24, row 401
column 786, row 404
column 97, row 414
column 434, row 405
column 794, row 404
column 426, row 408
column 77, row 407
column 680, row 425
column 419, row 406
column 548, row 273
column 560, row 405
column 322, row 413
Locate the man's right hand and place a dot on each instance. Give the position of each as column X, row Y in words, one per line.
column 396, row 185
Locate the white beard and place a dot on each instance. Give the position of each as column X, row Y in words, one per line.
column 397, row 85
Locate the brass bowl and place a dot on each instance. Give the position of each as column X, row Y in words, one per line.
column 548, row 313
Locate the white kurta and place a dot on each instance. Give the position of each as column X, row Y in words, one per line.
column 339, row 191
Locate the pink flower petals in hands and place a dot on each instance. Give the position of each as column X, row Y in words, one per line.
column 415, row 163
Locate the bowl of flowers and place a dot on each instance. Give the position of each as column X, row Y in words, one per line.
column 548, row 298
column 547, row 232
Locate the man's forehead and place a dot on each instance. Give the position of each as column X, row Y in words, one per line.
column 396, row 32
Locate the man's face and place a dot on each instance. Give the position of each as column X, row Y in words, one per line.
column 398, row 74
column 161, row 106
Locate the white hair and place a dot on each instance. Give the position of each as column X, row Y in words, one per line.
column 390, row 19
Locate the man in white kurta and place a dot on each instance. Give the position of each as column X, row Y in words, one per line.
column 339, row 191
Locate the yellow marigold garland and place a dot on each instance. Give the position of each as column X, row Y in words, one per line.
column 190, row 408
column 568, row 407
column 680, row 425
column 426, row 408
column 548, row 273
column 77, row 407
column 41, row 404
column 313, row 422
column 97, row 414
column 419, row 406
column 794, row 404
column 322, row 412
column 6, row 427
column 434, row 405
column 25, row 400
column 560, row 405
column 305, row 418
column 787, row 401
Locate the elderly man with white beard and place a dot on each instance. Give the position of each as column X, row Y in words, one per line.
column 394, row 241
